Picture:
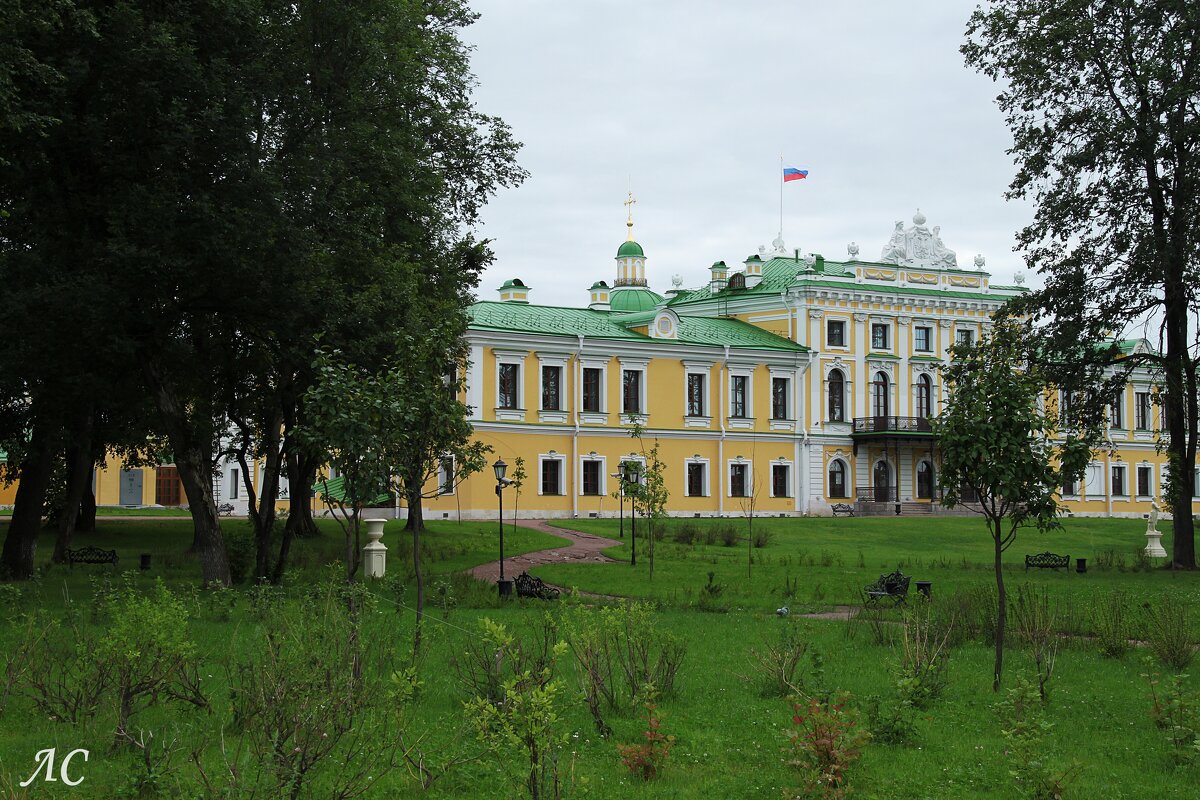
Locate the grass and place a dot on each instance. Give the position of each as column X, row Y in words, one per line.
column 729, row 737
column 123, row 511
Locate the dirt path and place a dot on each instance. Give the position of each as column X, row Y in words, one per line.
column 582, row 547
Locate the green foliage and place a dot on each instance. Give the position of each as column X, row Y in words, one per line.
column 525, row 718
column 709, row 598
column 924, row 653
column 1168, row 632
column 779, row 664
column 728, row 535
column 826, row 739
column 1025, row 728
column 239, row 544
column 1176, row 711
column 646, row 760
column 1035, row 622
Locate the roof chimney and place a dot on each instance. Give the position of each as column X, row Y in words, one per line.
column 514, row 290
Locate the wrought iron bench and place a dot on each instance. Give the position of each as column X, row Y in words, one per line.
column 893, row 586
column 840, row 509
column 529, row 586
column 225, row 510
column 91, row 555
column 1047, row 560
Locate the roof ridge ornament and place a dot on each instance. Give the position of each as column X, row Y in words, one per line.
column 629, row 201
column 918, row 246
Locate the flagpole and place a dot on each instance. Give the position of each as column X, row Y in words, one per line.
column 780, row 176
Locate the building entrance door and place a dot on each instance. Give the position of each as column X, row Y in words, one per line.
column 883, row 482
column 131, row 487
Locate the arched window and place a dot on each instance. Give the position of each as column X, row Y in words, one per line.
column 925, row 480
column 883, row 482
column 837, row 478
column 879, row 395
column 924, row 396
column 837, row 395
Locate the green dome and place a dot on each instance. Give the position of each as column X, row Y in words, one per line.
column 630, row 249
column 633, row 299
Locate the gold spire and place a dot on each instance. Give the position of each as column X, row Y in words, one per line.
column 629, row 219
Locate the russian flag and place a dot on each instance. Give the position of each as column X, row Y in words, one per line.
column 793, row 174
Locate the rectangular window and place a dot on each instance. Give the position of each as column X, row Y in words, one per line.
column 446, row 475
column 779, row 480
column 1116, row 414
column 695, row 480
column 695, row 395
column 507, row 396
column 551, row 476
column 737, row 396
column 1143, row 481
column 880, row 336
column 591, row 477
column 1118, row 481
column 234, row 488
column 591, row 389
column 835, row 332
column 552, row 388
column 737, row 481
column 1069, row 489
column 964, row 337
column 779, row 398
column 1141, row 411
column 631, row 391
column 923, row 339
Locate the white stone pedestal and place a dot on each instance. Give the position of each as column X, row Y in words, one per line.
column 1154, row 547
column 374, row 551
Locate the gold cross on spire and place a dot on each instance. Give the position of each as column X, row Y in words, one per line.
column 629, row 219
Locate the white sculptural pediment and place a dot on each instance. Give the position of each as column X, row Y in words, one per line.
column 918, row 246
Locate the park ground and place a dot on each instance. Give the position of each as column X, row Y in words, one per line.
column 715, row 593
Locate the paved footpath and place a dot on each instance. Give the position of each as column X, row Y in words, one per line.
column 583, row 547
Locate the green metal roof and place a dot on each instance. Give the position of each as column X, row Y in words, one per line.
column 630, row 249
column 513, row 283
column 780, row 273
column 559, row 321
column 335, row 490
column 598, row 285
column 633, row 299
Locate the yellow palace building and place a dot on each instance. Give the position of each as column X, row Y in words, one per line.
column 785, row 386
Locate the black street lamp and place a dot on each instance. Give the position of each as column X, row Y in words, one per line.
column 500, row 468
column 631, row 472
column 620, row 498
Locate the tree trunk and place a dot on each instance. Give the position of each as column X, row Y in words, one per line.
column 1180, row 412
column 79, row 478
column 416, row 524
column 1001, row 609
column 86, row 521
column 302, row 474
column 16, row 560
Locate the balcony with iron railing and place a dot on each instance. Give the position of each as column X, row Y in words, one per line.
column 893, row 425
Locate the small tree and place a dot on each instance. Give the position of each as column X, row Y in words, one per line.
column 651, row 494
column 997, row 443
column 518, row 480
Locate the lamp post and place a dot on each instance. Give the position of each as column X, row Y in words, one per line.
column 500, row 467
column 620, row 498
column 631, row 471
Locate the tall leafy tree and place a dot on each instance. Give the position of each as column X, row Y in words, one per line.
column 1101, row 98
column 998, row 444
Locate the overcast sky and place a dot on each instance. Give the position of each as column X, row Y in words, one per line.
column 693, row 102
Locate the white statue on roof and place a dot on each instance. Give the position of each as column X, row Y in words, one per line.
column 918, row 246
column 778, row 249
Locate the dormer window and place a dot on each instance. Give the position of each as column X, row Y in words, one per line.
column 737, row 281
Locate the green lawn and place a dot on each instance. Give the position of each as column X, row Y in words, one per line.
column 730, row 738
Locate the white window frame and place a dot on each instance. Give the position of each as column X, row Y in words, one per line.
column 441, row 483
column 968, row 329
column 789, row 483
column 845, row 322
column 562, row 413
column 704, row 462
column 1112, row 470
column 1149, row 484
column 561, row 458
column 635, row 365
column 749, row 481
column 603, row 462
column 517, row 357
column 235, row 486
column 889, row 334
column 702, row 368
column 740, row 371
column 928, row 326
column 846, row 472
column 602, row 365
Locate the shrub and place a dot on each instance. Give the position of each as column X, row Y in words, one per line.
column 1024, row 725
column 1168, row 632
column 646, row 760
column 762, row 537
column 686, row 533
column 1174, row 710
column 239, row 543
column 1035, row 624
column 710, row 534
column 709, row 598
column 728, row 535
column 1110, row 623
column 778, row 664
column 923, row 657
column 891, row 722
column 826, row 740
column 499, row 655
